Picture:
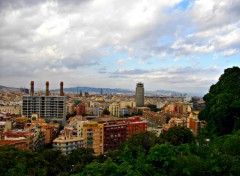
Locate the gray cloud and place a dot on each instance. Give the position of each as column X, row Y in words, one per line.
column 73, row 37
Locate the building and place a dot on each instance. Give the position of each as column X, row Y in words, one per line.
column 80, row 109
column 51, row 108
column 68, row 141
column 114, row 109
column 123, row 111
column 19, row 143
column 128, row 104
column 92, row 132
column 50, row 129
column 114, row 135
column 135, row 125
column 194, row 124
column 5, row 126
column 140, row 95
column 70, row 108
column 20, row 122
column 118, row 130
column 156, row 119
column 11, row 109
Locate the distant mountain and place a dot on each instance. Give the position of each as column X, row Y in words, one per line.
column 95, row 90
column 116, row 90
column 8, row 88
column 164, row 92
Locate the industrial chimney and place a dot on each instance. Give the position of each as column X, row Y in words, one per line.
column 61, row 89
column 47, row 88
column 32, row 88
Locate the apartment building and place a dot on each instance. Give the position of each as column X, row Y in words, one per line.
column 67, row 141
column 51, row 108
column 93, row 134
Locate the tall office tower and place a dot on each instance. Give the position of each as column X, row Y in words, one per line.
column 139, row 95
column 51, row 108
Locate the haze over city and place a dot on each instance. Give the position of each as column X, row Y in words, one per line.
column 172, row 45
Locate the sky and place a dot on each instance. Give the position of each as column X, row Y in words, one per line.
column 178, row 45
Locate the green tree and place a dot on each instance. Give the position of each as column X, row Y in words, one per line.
column 79, row 158
column 162, row 157
column 144, row 140
column 106, row 112
column 177, row 136
column 56, row 162
column 222, row 111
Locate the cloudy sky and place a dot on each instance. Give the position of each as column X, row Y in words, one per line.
column 179, row 45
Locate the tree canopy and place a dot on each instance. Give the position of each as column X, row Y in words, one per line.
column 222, row 111
column 178, row 135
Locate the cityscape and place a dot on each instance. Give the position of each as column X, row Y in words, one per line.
column 90, row 120
column 119, row 88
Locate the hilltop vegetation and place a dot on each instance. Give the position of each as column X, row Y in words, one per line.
column 222, row 112
column 144, row 154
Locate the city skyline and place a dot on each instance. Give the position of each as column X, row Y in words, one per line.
column 172, row 45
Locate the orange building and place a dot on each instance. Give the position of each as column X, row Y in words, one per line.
column 92, row 133
column 194, row 124
column 50, row 129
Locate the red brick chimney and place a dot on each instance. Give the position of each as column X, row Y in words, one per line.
column 32, row 88
column 61, row 89
column 47, row 88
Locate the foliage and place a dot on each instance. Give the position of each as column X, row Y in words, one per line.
column 220, row 156
column 143, row 140
column 56, row 162
column 178, row 135
column 153, row 107
column 79, row 158
column 70, row 115
column 76, row 102
column 106, row 112
column 18, row 162
column 222, row 111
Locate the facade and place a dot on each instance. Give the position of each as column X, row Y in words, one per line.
column 157, row 118
column 139, row 95
column 114, row 135
column 11, row 109
column 123, row 111
column 128, row 104
column 20, row 122
column 19, row 143
column 80, row 109
column 51, row 108
column 5, row 126
column 194, row 123
column 67, row 142
column 135, row 125
column 114, row 109
column 66, row 146
column 70, row 108
column 92, row 133
column 32, row 139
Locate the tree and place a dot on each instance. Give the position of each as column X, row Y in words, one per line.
column 79, row 158
column 177, row 136
column 106, row 112
column 56, row 161
column 222, row 111
column 144, row 140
